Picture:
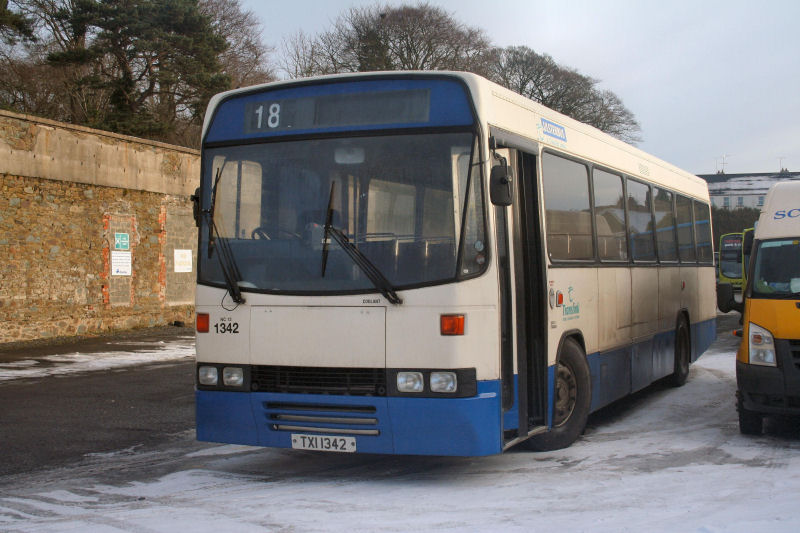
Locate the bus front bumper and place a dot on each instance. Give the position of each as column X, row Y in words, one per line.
column 770, row 390
column 390, row 425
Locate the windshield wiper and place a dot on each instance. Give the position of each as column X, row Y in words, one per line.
column 367, row 267
column 225, row 256
column 328, row 221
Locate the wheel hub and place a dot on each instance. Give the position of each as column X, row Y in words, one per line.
column 566, row 395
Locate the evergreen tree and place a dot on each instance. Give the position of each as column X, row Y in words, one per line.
column 14, row 25
column 156, row 60
column 732, row 220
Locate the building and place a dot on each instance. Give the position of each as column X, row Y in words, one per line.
column 731, row 191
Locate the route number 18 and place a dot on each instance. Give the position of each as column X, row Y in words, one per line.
column 273, row 115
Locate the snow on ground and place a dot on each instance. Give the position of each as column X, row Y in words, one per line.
column 121, row 355
column 664, row 460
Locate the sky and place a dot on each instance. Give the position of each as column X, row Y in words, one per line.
column 712, row 83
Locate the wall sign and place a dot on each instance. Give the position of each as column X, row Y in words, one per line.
column 122, row 241
column 121, row 263
column 183, row 260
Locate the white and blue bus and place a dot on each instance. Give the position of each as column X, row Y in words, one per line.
column 428, row 263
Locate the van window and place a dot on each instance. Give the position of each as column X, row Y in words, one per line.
column 776, row 272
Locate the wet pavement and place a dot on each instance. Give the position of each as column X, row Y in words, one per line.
column 69, row 402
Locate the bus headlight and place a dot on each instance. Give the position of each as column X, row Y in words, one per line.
column 410, row 382
column 207, row 375
column 233, row 376
column 762, row 346
column 444, row 382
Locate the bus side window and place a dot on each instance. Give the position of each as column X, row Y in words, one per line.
column 640, row 221
column 702, row 229
column 686, row 250
column 665, row 225
column 567, row 209
column 609, row 214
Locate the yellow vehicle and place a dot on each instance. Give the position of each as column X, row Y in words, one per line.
column 768, row 360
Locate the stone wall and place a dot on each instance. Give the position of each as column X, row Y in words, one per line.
column 96, row 231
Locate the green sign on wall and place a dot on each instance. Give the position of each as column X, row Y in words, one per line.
column 122, row 241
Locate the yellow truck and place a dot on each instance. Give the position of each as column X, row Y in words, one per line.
column 768, row 360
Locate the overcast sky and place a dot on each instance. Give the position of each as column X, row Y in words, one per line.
column 705, row 79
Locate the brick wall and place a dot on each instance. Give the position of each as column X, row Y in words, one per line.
column 89, row 227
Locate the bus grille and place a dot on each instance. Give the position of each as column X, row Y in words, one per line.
column 309, row 380
column 794, row 348
column 326, row 419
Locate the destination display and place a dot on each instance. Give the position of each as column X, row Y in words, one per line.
column 350, row 105
column 337, row 110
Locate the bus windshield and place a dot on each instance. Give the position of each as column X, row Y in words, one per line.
column 776, row 272
column 730, row 256
column 409, row 204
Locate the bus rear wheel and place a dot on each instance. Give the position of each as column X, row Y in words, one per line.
column 573, row 395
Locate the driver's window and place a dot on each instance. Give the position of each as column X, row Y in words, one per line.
column 249, row 198
column 238, row 199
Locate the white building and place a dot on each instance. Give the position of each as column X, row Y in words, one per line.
column 731, row 191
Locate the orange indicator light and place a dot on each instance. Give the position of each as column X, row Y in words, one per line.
column 202, row 322
column 452, row 324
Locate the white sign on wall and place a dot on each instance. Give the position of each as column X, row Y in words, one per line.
column 121, row 263
column 183, row 260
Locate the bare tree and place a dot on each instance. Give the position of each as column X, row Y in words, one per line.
column 247, row 60
column 428, row 38
column 565, row 90
column 421, row 37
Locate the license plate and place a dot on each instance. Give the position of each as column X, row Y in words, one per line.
column 324, row 443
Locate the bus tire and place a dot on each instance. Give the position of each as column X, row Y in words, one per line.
column 683, row 353
column 573, row 396
column 750, row 422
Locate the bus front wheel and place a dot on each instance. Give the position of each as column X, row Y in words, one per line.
column 572, row 399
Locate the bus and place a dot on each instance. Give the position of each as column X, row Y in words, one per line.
column 768, row 359
column 430, row 264
column 731, row 267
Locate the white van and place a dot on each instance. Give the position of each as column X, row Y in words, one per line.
column 768, row 360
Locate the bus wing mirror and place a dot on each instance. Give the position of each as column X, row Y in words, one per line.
column 747, row 242
column 500, row 186
column 725, row 299
column 195, row 198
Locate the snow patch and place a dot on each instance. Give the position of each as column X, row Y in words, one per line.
column 64, row 364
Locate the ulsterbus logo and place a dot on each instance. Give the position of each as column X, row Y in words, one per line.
column 554, row 130
column 573, row 308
